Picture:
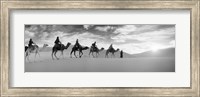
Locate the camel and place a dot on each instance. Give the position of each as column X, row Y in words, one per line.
column 61, row 48
column 45, row 45
column 96, row 50
column 80, row 49
column 112, row 51
column 34, row 49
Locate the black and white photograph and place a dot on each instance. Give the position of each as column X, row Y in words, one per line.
column 99, row 48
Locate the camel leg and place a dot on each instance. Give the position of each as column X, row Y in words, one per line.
column 27, row 55
column 61, row 54
column 28, row 58
column 93, row 54
column 89, row 53
column 106, row 55
column 80, row 54
column 52, row 55
column 71, row 54
column 96, row 54
column 38, row 53
column 55, row 55
column 75, row 54
column 113, row 55
column 35, row 56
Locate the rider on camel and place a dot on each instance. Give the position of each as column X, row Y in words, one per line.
column 57, row 41
column 30, row 44
column 111, row 47
column 77, row 45
column 94, row 45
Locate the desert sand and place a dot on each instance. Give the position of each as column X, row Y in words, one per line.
column 44, row 63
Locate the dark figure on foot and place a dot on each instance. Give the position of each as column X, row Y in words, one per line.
column 121, row 54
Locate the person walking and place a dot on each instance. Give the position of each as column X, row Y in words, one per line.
column 121, row 54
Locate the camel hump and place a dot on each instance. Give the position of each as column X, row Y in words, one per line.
column 68, row 43
column 35, row 46
column 62, row 45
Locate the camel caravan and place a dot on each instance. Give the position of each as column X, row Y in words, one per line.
column 58, row 46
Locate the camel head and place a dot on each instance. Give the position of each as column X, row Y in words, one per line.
column 45, row 45
column 102, row 49
column 68, row 44
column 86, row 47
column 117, row 49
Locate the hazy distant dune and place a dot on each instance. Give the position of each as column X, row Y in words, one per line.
column 168, row 52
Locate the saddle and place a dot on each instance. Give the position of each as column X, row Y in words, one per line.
column 31, row 47
column 94, row 48
column 111, row 48
column 58, row 45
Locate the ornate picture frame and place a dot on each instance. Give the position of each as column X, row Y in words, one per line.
column 7, row 6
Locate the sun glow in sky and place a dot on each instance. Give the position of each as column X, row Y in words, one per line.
column 131, row 39
column 156, row 47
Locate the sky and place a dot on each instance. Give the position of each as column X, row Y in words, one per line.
column 132, row 39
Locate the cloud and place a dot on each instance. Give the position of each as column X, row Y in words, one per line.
column 132, row 38
column 87, row 26
column 104, row 28
column 151, row 36
column 126, row 29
